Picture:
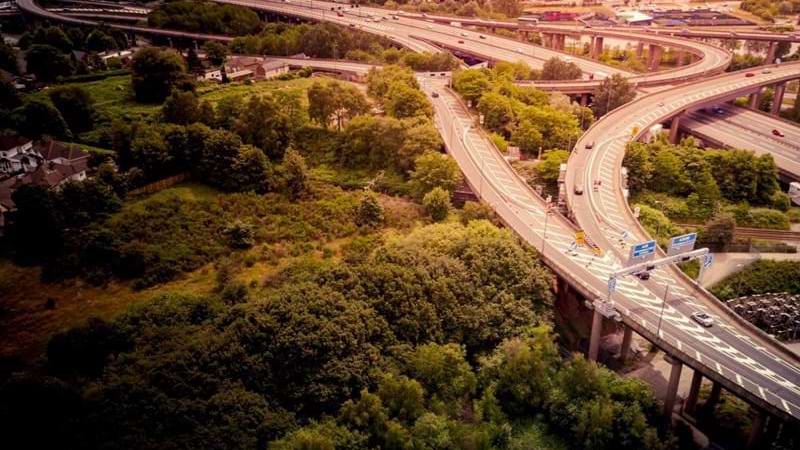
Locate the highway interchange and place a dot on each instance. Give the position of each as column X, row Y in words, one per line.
column 732, row 353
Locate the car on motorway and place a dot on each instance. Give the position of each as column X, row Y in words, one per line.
column 766, row 71
column 777, row 132
column 460, row 41
column 643, row 275
column 589, row 145
column 519, row 50
column 660, row 104
column 749, row 74
column 482, row 36
column 702, row 318
column 718, row 110
column 430, row 27
column 464, row 33
column 395, row 18
column 578, row 189
column 435, row 94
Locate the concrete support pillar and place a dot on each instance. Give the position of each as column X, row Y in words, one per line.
column 674, row 129
column 756, row 430
column 627, row 337
column 713, row 397
column 547, row 40
column 561, row 40
column 755, row 99
column 639, row 49
column 773, row 47
column 594, row 340
column 672, row 387
column 597, row 47
column 694, row 390
column 584, row 99
column 654, row 57
column 777, row 99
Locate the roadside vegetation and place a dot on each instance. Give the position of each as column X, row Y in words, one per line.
column 769, row 10
column 721, row 188
column 761, row 277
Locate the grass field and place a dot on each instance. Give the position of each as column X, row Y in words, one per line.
column 114, row 98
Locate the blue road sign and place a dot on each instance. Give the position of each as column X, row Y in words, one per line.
column 680, row 244
column 708, row 259
column 642, row 251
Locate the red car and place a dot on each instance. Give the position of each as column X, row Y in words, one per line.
column 460, row 41
column 749, row 74
column 777, row 133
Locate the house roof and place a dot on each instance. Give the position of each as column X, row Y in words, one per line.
column 51, row 150
column 9, row 142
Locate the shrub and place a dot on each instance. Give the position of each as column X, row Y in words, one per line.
column 437, row 204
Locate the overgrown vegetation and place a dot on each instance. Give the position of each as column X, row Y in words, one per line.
column 761, row 277
column 769, row 10
column 205, row 17
column 690, row 184
column 525, row 116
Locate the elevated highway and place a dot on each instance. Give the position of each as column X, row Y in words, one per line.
column 31, row 7
column 742, row 128
column 604, row 215
column 711, row 59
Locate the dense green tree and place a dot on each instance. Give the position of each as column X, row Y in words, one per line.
column 9, row 97
column 497, row 111
column 47, row 63
column 372, row 141
column 369, row 212
column 76, row 105
column 205, row 17
column 470, row 83
column 432, row 170
column 613, row 92
column 36, row 119
column 335, row 101
column 640, row 167
column 421, row 136
column 250, row 171
column 150, row 153
column 557, row 69
column 478, row 211
column 37, row 231
column 524, row 370
column 379, row 81
column 8, row 58
column 267, row 123
column 403, row 101
column 549, row 168
column 527, row 137
column 216, row 52
column 99, row 41
column 437, row 203
column 295, row 173
column 719, row 231
column 182, row 108
column 156, row 73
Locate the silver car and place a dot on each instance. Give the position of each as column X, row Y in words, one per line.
column 703, row 319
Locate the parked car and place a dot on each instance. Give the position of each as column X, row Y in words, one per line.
column 703, row 319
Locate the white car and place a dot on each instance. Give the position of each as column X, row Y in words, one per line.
column 464, row 34
column 703, row 319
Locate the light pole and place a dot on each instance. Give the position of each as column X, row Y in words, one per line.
column 739, row 283
column 546, row 217
column 481, row 118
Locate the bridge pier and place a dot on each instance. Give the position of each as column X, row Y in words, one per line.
column 594, row 340
column 756, row 430
column 672, row 387
column 674, row 129
column 777, row 99
column 639, row 49
column 547, row 40
column 694, row 390
column 754, row 99
column 713, row 397
column 654, row 56
column 627, row 337
column 561, row 40
column 584, row 99
column 597, row 47
column 773, row 47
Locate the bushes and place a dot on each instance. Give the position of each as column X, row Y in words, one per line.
column 205, row 17
column 437, row 204
column 761, row 277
